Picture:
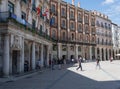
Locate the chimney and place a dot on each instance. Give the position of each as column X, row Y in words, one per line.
column 78, row 4
column 72, row 2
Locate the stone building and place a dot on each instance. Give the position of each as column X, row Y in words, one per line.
column 115, row 39
column 74, row 30
column 104, row 47
column 24, row 36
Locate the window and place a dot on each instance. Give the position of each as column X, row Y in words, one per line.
column 23, row 16
column 71, row 25
column 102, row 24
column 34, row 5
column 53, row 20
column 54, row 47
column 11, row 7
column 71, row 14
column 79, row 48
column 98, row 23
column 79, row 27
column 79, row 16
column 53, row 34
column 63, row 11
column 106, row 25
column 63, row 23
column 72, row 36
column 64, row 48
column 53, row 8
column 33, row 24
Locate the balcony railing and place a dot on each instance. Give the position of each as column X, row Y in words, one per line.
column 6, row 17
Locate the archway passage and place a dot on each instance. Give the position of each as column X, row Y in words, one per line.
column 106, row 55
column 15, row 61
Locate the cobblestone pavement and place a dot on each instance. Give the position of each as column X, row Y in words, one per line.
column 108, row 77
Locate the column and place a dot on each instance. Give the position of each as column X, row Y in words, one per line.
column 95, row 52
column 42, row 55
column 22, row 57
column 48, row 49
column 68, row 51
column 76, row 51
column 90, row 55
column 104, row 54
column 59, row 50
column 33, row 56
column 6, row 56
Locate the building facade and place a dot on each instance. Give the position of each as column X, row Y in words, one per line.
column 74, row 30
column 24, row 36
column 115, row 39
column 104, row 47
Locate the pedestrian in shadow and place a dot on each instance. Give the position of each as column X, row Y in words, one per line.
column 98, row 62
column 79, row 63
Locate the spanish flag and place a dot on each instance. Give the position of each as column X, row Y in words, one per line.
column 39, row 9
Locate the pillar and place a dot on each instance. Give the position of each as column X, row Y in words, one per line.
column 76, row 51
column 104, row 54
column 59, row 50
column 33, row 56
column 68, row 51
column 48, row 49
column 42, row 62
column 22, row 57
column 6, row 56
column 90, row 55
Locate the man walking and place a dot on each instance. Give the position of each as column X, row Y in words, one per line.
column 98, row 63
column 79, row 62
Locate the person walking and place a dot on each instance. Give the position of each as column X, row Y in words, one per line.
column 79, row 62
column 98, row 62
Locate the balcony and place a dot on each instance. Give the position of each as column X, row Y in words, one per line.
column 92, row 23
column 53, row 12
column 55, row 25
column 72, row 18
column 86, row 21
column 63, row 27
column 11, row 18
column 80, row 20
column 63, row 15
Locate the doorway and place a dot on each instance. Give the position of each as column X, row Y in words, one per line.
column 15, row 61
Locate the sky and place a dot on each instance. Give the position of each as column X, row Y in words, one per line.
column 111, row 8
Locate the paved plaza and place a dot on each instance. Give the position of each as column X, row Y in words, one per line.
column 108, row 77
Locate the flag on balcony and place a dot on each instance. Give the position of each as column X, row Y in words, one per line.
column 39, row 9
column 51, row 20
column 46, row 12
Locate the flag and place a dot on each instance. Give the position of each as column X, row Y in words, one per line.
column 39, row 9
column 52, row 20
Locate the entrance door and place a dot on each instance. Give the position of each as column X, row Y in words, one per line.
column 14, row 61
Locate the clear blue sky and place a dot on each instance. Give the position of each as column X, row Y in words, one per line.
column 109, row 7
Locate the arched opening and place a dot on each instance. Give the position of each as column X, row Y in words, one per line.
column 102, row 54
column 106, row 55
